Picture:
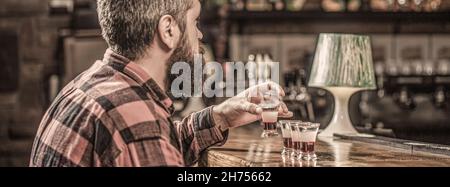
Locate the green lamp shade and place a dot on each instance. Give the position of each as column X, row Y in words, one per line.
column 343, row 60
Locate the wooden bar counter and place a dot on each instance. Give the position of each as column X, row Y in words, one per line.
column 245, row 148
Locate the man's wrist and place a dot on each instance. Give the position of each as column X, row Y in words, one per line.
column 219, row 119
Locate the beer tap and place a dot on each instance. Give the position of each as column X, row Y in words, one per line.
column 439, row 97
column 405, row 99
column 380, row 73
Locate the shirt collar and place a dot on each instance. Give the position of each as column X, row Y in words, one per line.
column 138, row 74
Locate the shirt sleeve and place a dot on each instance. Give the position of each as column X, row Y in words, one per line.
column 197, row 132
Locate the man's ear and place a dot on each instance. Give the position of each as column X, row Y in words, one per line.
column 168, row 31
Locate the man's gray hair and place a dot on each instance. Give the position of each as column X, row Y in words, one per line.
column 129, row 26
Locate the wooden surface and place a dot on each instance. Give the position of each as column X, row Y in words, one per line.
column 245, row 148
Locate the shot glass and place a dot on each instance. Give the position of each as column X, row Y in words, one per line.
column 304, row 136
column 286, row 132
column 269, row 117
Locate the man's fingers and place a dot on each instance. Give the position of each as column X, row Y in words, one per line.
column 283, row 108
column 284, row 112
column 251, row 108
column 286, row 115
column 255, row 99
column 259, row 90
column 276, row 87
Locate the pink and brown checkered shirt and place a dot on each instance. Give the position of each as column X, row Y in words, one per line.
column 114, row 114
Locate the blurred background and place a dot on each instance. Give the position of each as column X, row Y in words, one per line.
column 46, row 43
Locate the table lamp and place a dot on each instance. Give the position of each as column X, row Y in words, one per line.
column 342, row 65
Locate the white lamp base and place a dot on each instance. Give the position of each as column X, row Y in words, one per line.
column 341, row 123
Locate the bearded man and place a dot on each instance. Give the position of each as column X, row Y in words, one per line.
column 117, row 113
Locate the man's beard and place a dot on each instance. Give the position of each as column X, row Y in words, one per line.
column 183, row 53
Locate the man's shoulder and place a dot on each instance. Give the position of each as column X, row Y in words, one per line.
column 111, row 89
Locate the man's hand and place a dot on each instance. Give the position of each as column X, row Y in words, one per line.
column 243, row 109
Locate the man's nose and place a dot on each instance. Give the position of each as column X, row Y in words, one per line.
column 200, row 35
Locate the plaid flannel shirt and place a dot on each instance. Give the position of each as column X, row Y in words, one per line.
column 114, row 114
